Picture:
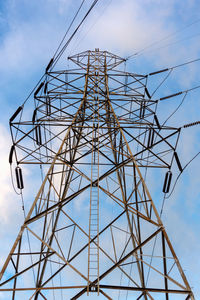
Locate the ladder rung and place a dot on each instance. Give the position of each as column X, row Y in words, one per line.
column 94, row 261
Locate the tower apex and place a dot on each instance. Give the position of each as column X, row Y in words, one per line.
column 97, row 56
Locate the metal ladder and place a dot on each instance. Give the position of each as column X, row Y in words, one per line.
column 93, row 245
column 93, row 268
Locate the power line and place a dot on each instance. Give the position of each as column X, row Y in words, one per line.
column 162, row 82
column 170, row 44
column 177, row 178
column 161, row 40
column 77, row 42
column 179, row 93
column 69, row 27
column 174, row 67
column 177, row 108
column 55, row 60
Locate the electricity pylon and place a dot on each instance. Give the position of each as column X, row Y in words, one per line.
column 93, row 229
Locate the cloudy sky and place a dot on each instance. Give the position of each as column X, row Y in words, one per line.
column 159, row 34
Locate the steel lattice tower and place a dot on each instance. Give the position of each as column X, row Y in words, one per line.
column 93, row 228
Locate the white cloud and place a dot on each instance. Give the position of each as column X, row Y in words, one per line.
column 125, row 27
column 6, row 209
column 11, row 216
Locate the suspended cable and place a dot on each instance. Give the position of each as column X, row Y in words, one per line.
column 181, row 103
column 163, row 204
column 28, row 238
column 186, row 63
column 72, row 36
column 174, row 67
column 31, row 256
column 179, row 93
column 151, row 259
column 154, row 245
column 168, row 45
column 161, row 40
column 12, row 180
column 86, row 33
column 168, row 74
column 58, row 56
column 164, row 197
column 23, row 206
column 33, row 90
column 161, row 212
column 69, row 27
column 180, row 175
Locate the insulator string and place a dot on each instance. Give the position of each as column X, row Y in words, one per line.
column 162, row 82
column 174, row 67
column 65, row 46
column 177, row 108
column 177, row 178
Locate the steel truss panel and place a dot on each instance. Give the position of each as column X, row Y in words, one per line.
column 93, row 224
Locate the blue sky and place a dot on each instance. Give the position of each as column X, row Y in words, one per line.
column 30, row 32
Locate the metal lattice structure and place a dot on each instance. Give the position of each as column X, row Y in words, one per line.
column 93, row 229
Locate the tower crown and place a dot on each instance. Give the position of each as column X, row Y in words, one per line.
column 97, row 57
